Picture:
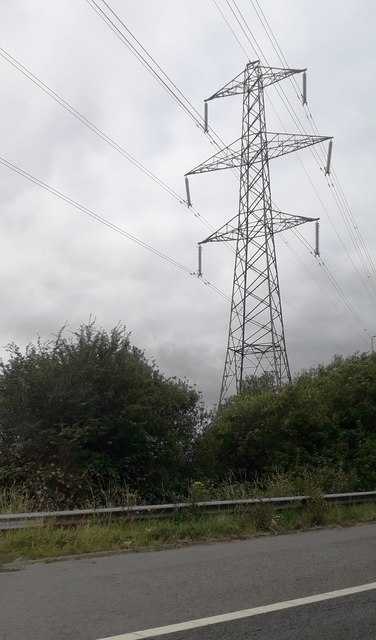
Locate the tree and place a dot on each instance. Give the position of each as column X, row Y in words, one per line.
column 89, row 407
column 327, row 416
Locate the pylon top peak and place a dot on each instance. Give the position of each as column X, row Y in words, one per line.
column 268, row 76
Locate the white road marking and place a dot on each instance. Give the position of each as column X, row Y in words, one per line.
column 245, row 613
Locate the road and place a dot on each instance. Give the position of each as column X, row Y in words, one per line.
column 95, row 598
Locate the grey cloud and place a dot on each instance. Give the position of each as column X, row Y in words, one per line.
column 58, row 265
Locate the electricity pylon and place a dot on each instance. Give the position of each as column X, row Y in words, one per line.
column 256, row 339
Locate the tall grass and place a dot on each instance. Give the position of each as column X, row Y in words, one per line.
column 181, row 529
column 302, row 482
column 15, row 500
column 18, row 500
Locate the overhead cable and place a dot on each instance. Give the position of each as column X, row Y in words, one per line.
column 101, row 134
column 334, row 183
column 370, row 287
column 104, row 221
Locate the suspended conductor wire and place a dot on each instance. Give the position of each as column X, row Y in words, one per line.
column 104, row 221
column 358, row 243
column 341, row 293
column 364, row 282
column 152, row 59
column 190, row 110
column 105, row 3
column 332, row 280
column 240, row 25
column 279, row 89
column 344, row 205
column 119, row 34
column 369, row 285
column 282, row 59
column 274, row 42
column 172, row 90
column 141, row 58
column 90, row 213
column 351, row 216
column 322, row 289
column 309, row 356
column 326, row 271
column 205, row 127
column 260, row 54
column 302, row 315
column 68, row 107
column 231, row 29
column 370, row 282
column 101, row 134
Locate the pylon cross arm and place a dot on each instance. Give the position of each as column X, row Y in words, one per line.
column 265, row 75
column 278, row 221
column 226, row 158
column 228, row 231
column 284, row 221
column 235, row 86
column 271, row 75
column 279, row 144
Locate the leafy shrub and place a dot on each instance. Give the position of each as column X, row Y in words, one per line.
column 323, row 424
column 91, row 406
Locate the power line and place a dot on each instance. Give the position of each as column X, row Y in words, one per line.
column 338, row 193
column 77, row 114
column 94, row 5
column 155, row 70
column 62, row 102
column 101, row 134
column 325, row 209
column 107, row 223
column 68, row 107
column 319, row 285
column 231, row 29
column 359, row 247
column 95, row 129
column 144, row 50
column 331, row 278
column 240, row 25
column 298, row 123
column 190, row 105
column 151, row 70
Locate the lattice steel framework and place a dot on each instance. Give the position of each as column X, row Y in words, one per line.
column 256, row 340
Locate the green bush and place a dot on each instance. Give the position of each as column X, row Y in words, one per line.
column 324, row 424
column 89, row 407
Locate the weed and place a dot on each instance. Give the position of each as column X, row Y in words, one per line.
column 317, row 508
column 51, row 541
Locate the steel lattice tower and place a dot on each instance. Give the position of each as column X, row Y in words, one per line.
column 256, row 340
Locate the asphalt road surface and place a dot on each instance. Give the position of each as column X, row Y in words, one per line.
column 118, row 595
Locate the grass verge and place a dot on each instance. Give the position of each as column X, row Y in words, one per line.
column 180, row 529
column 305, row 481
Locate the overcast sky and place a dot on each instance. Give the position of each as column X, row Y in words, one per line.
column 58, row 265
